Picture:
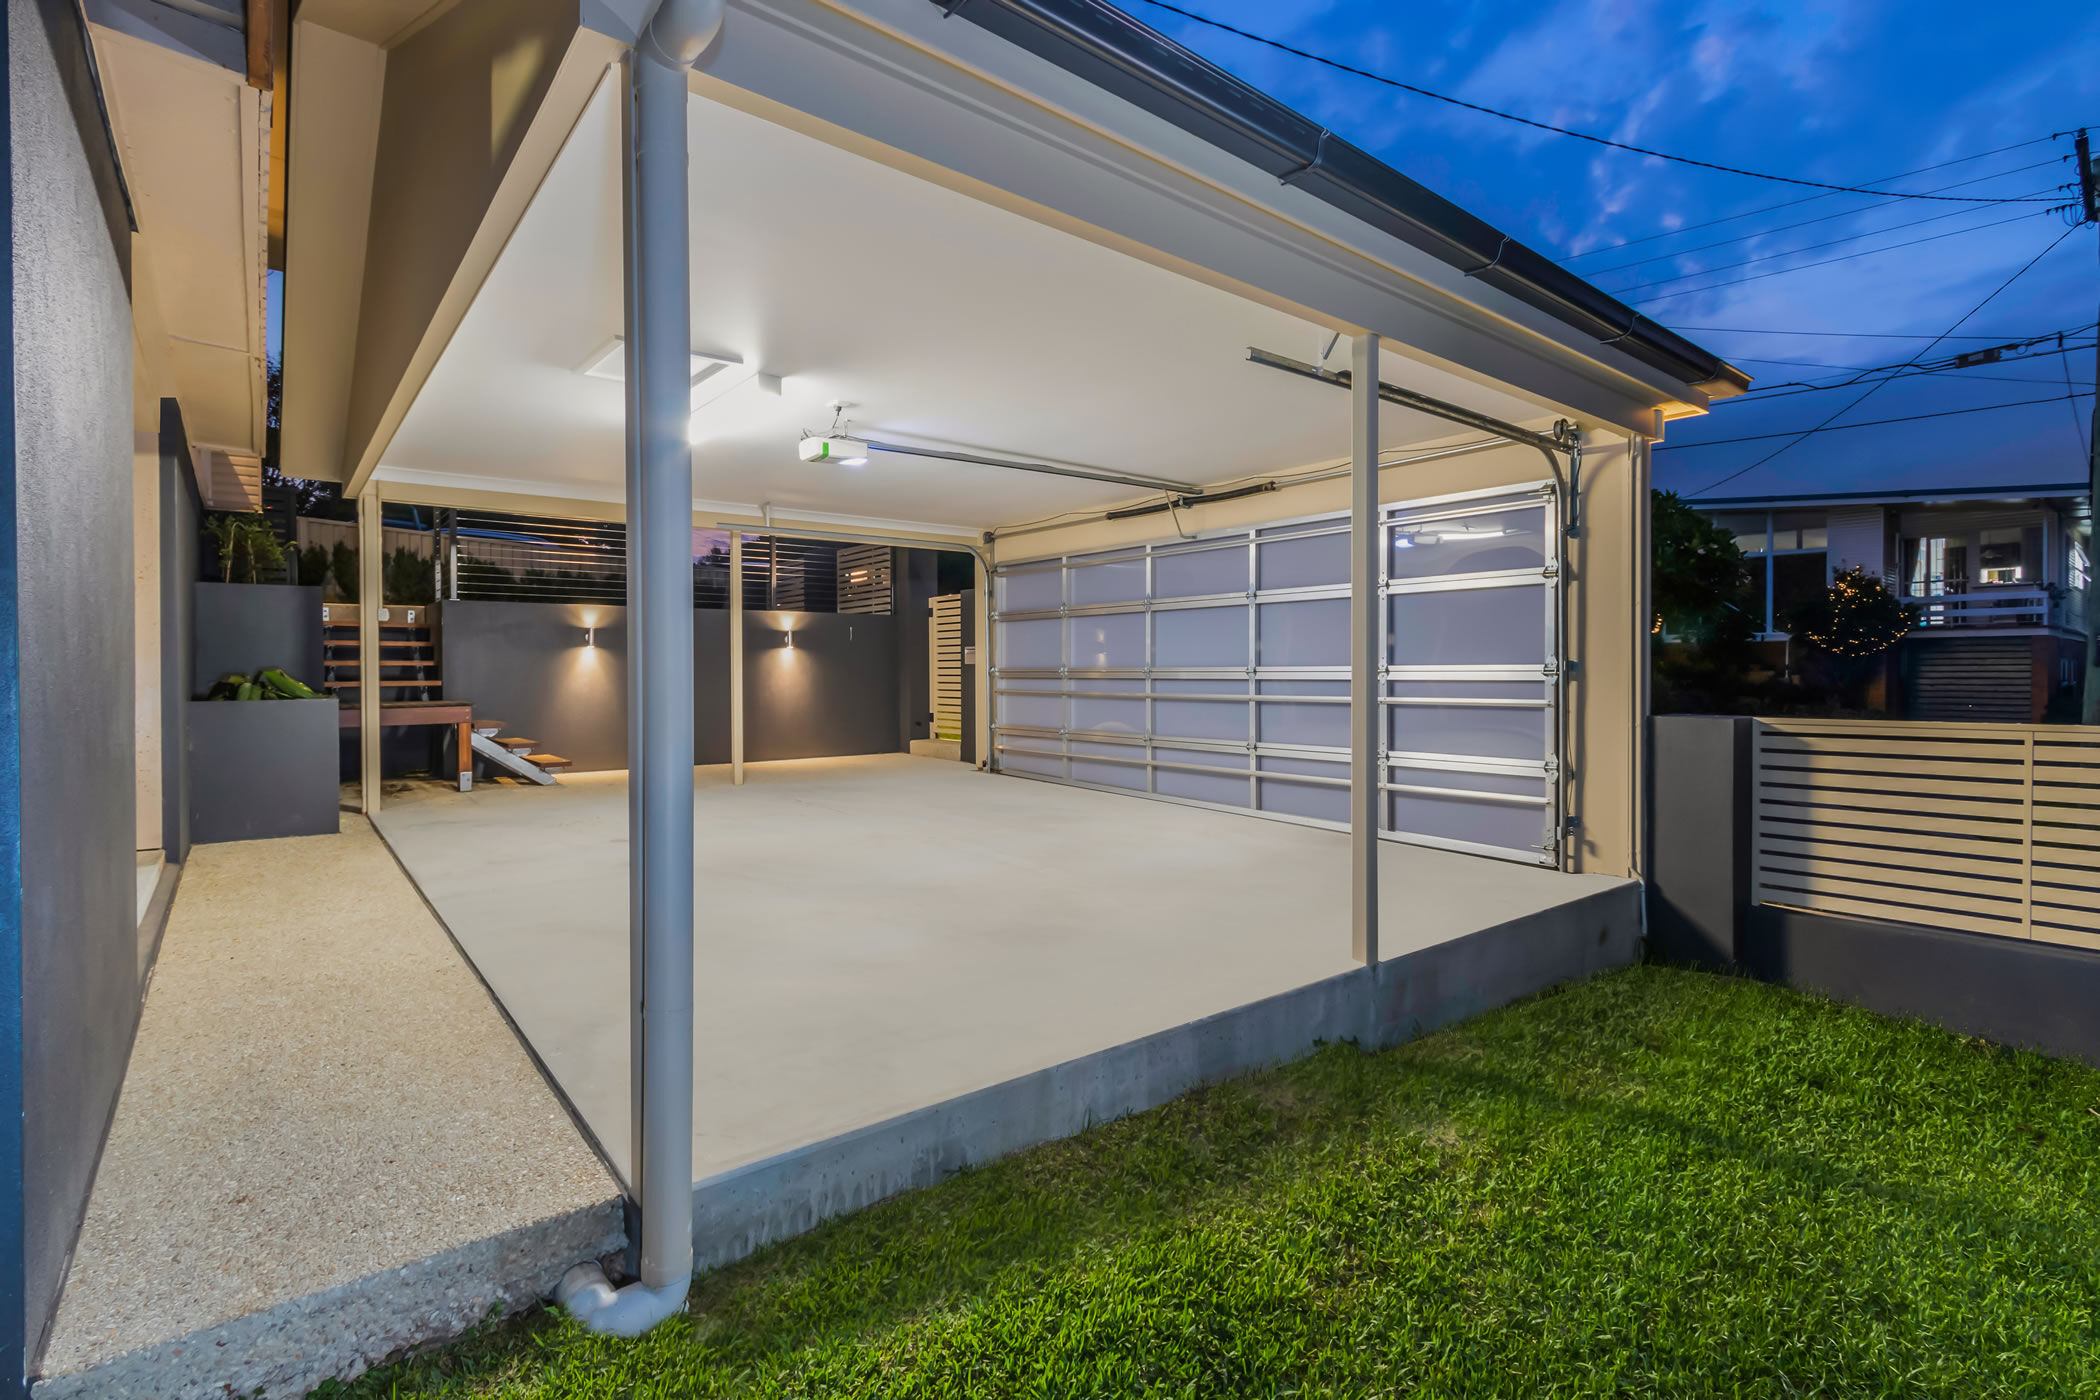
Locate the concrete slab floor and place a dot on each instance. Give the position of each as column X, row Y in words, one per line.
column 329, row 1143
column 882, row 933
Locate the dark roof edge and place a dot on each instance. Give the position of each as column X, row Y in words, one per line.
column 1117, row 53
column 1919, row 495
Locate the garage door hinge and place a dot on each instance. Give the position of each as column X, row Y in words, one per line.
column 1550, row 571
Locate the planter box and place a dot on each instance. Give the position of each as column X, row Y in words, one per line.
column 262, row 768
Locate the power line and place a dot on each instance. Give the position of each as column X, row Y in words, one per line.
column 1804, row 223
column 1817, row 247
column 1820, row 262
column 2056, row 341
column 1771, row 393
column 1561, row 130
column 1799, row 438
column 1811, row 199
column 1842, row 427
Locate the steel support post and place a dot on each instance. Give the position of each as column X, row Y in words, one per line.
column 660, row 664
column 371, row 569
column 1366, row 645
column 736, row 657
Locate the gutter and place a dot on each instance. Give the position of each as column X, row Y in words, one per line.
column 1114, row 52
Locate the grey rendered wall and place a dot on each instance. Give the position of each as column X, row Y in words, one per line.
column 835, row 692
column 180, row 512
column 526, row 664
column 71, row 526
column 244, row 627
column 917, row 572
column 1698, row 838
column 2032, row 995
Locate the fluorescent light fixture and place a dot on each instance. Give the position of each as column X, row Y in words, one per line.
column 609, row 361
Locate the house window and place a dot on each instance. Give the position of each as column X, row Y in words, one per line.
column 1787, row 554
column 2077, row 566
column 2000, row 556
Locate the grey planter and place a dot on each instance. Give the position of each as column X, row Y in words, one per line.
column 263, row 768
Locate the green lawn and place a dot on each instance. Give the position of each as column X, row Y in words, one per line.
column 1657, row 1183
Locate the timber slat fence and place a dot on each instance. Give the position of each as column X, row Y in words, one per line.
column 1986, row 828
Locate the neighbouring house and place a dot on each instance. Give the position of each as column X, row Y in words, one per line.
column 1997, row 573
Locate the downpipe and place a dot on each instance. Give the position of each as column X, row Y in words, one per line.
column 659, row 508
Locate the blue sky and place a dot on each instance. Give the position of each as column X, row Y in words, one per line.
column 1845, row 91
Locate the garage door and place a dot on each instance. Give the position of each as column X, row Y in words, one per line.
column 1215, row 670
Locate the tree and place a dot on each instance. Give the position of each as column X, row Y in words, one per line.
column 1856, row 617
column 1702, row 588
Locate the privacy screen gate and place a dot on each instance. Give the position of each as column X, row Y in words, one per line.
column 1215, row 670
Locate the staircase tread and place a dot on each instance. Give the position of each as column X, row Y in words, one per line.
column 509, row 743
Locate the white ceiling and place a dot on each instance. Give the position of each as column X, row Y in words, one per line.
column 948, row 322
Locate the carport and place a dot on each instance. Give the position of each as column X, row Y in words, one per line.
column 1308, row 587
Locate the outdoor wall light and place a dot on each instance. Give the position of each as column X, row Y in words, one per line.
column 590, row 636
column 790, row 641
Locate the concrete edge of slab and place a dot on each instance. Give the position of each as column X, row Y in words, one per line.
column 737, row 1212
column 343, row 1331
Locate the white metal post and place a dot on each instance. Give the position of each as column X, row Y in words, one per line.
column 984, row 699
column 370, row 598
column 660, row 582
column 736, row 657
column 1366, row 642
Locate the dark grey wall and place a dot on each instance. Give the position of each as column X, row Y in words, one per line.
column 244, row 627
column 1698, row 840
column 2032, row 995
column 833, row 692
column 69, row 524
column 917, row 575
column 181, row 510
column 263, row 768
column 526, row 664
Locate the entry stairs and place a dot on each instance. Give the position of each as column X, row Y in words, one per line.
column 515, row 756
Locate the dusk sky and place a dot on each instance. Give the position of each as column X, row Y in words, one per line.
column 1844, row 91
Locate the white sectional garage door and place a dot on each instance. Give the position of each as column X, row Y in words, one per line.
column 1216, row 670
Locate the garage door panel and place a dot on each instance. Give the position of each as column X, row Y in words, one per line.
column 1314, row 633
column 1200, row 637
column 1115, row 579
column 1304, row 561
column 1472, row 627
column 1025, row 590
column 1200, row 573
column 1115, row 641
column 1036, row 642
column 1486, row 731
column 1477, row 542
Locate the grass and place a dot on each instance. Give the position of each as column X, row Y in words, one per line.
column 1655, row 1183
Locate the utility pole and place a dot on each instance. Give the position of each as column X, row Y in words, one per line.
column 2089, row 196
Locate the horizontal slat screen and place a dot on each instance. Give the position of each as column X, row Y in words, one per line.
column 1985, row 828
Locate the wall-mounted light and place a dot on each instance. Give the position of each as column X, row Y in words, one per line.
column 790, row 641
column 590, row 636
